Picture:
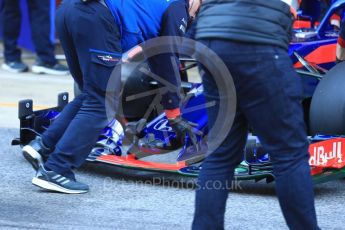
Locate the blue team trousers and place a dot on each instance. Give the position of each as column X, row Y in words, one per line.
column 91, row 42
column 39, row 15
column 269, row 95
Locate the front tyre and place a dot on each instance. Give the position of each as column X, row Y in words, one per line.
column 327, row 109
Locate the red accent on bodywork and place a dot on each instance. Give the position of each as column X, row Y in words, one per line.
column 328, row 154
column 300, row 24
column 316, row 170
column 131, row 161
column 323, row 54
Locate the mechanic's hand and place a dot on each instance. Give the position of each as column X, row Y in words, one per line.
column 182, row 127
column 133, row 55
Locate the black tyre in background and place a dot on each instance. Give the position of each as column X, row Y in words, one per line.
column 327, row 109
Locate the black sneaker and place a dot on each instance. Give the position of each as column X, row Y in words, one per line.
column 52, row 181
column 45, row 68
column 15, row 67
column 36, row 153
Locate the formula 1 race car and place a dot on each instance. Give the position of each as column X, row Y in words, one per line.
column 150, row 144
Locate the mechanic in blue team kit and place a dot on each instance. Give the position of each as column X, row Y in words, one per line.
column 269, row 96
column 94, row 34
column 39, row 12
column 340, row 50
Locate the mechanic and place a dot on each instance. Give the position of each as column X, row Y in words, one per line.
column 91, row 60
column 39, row 13
column 340, row 50
column 269, row 95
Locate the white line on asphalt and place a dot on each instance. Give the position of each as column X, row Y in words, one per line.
column 15, row 105
column 34, row 78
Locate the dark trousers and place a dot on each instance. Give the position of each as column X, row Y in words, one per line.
column 39, row 13
column 269, row 95
column 91, row 41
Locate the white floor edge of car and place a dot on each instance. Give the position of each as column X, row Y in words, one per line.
column 44, row 70
column 53, row 187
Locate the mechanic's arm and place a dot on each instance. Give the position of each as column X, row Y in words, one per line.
column 340, row 50
column 166, row 66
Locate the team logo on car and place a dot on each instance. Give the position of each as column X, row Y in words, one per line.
column 328, row 154
column 163, row 125
column 108, row 58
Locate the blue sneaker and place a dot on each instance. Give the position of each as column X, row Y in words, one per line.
column 53, row 181
column 36, row 153
column 44, row 68
column 15, row 67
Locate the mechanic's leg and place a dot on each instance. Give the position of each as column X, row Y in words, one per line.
column 11, row 29
column 83, row 131
column 274, row 111
column 269, row 94
column 39, row 12
column 78, row 139
column 215, row 178
column 67, row 44
column 57, row 129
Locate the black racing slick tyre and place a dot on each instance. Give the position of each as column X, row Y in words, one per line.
column 327, row 109
column 136, row 97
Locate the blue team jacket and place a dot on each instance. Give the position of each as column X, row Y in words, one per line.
column 139, row 20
